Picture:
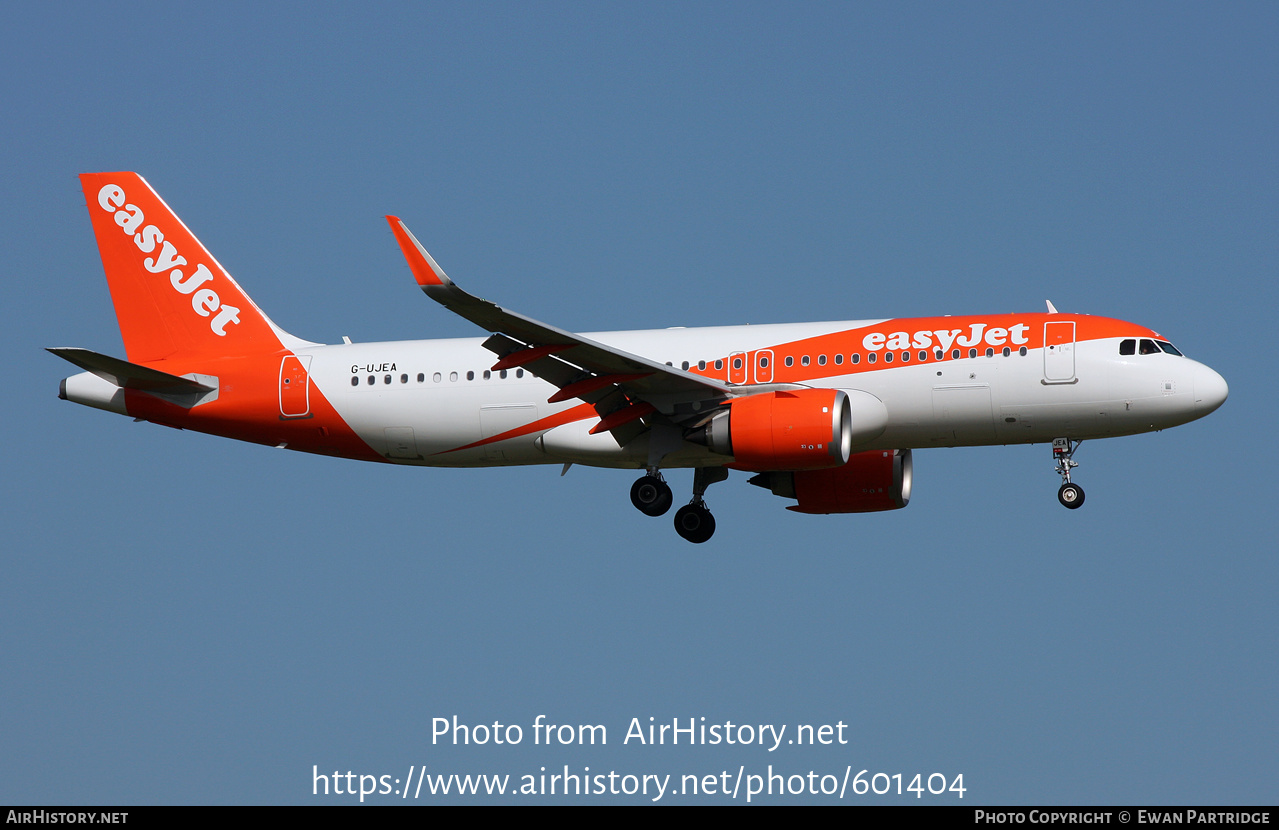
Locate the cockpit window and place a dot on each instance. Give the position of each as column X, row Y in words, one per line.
column 1169, row 348
column 1128, row 346
column 1149, row 347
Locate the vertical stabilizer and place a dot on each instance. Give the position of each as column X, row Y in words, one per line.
column 172, row 298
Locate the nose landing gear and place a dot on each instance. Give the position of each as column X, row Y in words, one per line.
column 1070, row 495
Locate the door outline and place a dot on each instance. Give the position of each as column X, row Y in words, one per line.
column 295, row 386
column 764, row 366
column 1059, row 352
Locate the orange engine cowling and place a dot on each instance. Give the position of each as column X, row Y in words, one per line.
column 805, row 429
column 870, row 481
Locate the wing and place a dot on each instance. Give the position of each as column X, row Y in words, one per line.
column 628, row 391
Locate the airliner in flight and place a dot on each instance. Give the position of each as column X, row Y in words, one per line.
column 822, row 414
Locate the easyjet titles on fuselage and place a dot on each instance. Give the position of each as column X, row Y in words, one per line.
column 204, row 301
column 978, row 332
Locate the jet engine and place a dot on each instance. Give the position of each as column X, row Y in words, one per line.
column 805, row 429
column 870, row 481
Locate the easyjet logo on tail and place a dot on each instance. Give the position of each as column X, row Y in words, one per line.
column 204, row 301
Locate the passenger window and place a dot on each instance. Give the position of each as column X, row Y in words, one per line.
column 719, row 364
column 1128, row 347
column 453, row 377
column 502, row 374
column 488, row 373
column 790, row 361
column 839, row 360
column 803, row 361
column 420, row 377
column 355, row 381
column 684, row 365
column 701, row 365
column 436, row 377
column 940, row 354
column 737, row 363
column 870, row 358
column 905, row 357
column 972, row 352
column 1022, row 351
column 519, row 373
column 386, row 379
column 470, row 375
column 990, row 353
column 923, row 355
column 404, row 378
column 955, row 354
column 856, row 357
column 763, row 363
column 821, row 360
column 888, row 357
column 1007, row 351
column 372, row 380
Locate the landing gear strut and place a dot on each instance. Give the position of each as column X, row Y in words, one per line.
column 651, row 495
column 1070, row 495
column 694, row 521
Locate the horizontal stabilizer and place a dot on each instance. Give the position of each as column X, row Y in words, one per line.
column 128, row 375
column 184, row 391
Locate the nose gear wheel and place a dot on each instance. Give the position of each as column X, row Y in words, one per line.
column 1071, row 495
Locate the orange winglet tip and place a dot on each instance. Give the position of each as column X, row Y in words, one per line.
column 621, row 417
column 425, row 270
column 589, row 385
column 523, row 357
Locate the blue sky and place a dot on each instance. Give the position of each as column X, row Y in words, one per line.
column 185, row 619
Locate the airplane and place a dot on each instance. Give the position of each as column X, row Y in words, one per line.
column 825, row 414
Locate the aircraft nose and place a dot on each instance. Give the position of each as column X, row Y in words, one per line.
column 1210, row 390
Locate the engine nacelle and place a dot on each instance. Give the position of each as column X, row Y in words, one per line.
column 805, row 429
column 870, row 482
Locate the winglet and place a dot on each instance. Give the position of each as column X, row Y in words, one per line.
column 425, row 270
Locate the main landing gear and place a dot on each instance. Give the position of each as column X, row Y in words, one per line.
column 694, row 522
column 1070, row 495
column 651, row 495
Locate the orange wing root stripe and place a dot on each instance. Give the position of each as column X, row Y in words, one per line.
column 585, row 387
column 613, row 420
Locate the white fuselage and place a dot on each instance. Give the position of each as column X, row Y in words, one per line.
column 440, row 394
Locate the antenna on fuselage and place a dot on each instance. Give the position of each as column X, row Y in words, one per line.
column 1052, row 309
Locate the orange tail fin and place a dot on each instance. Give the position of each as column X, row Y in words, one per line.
column 172, row 298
